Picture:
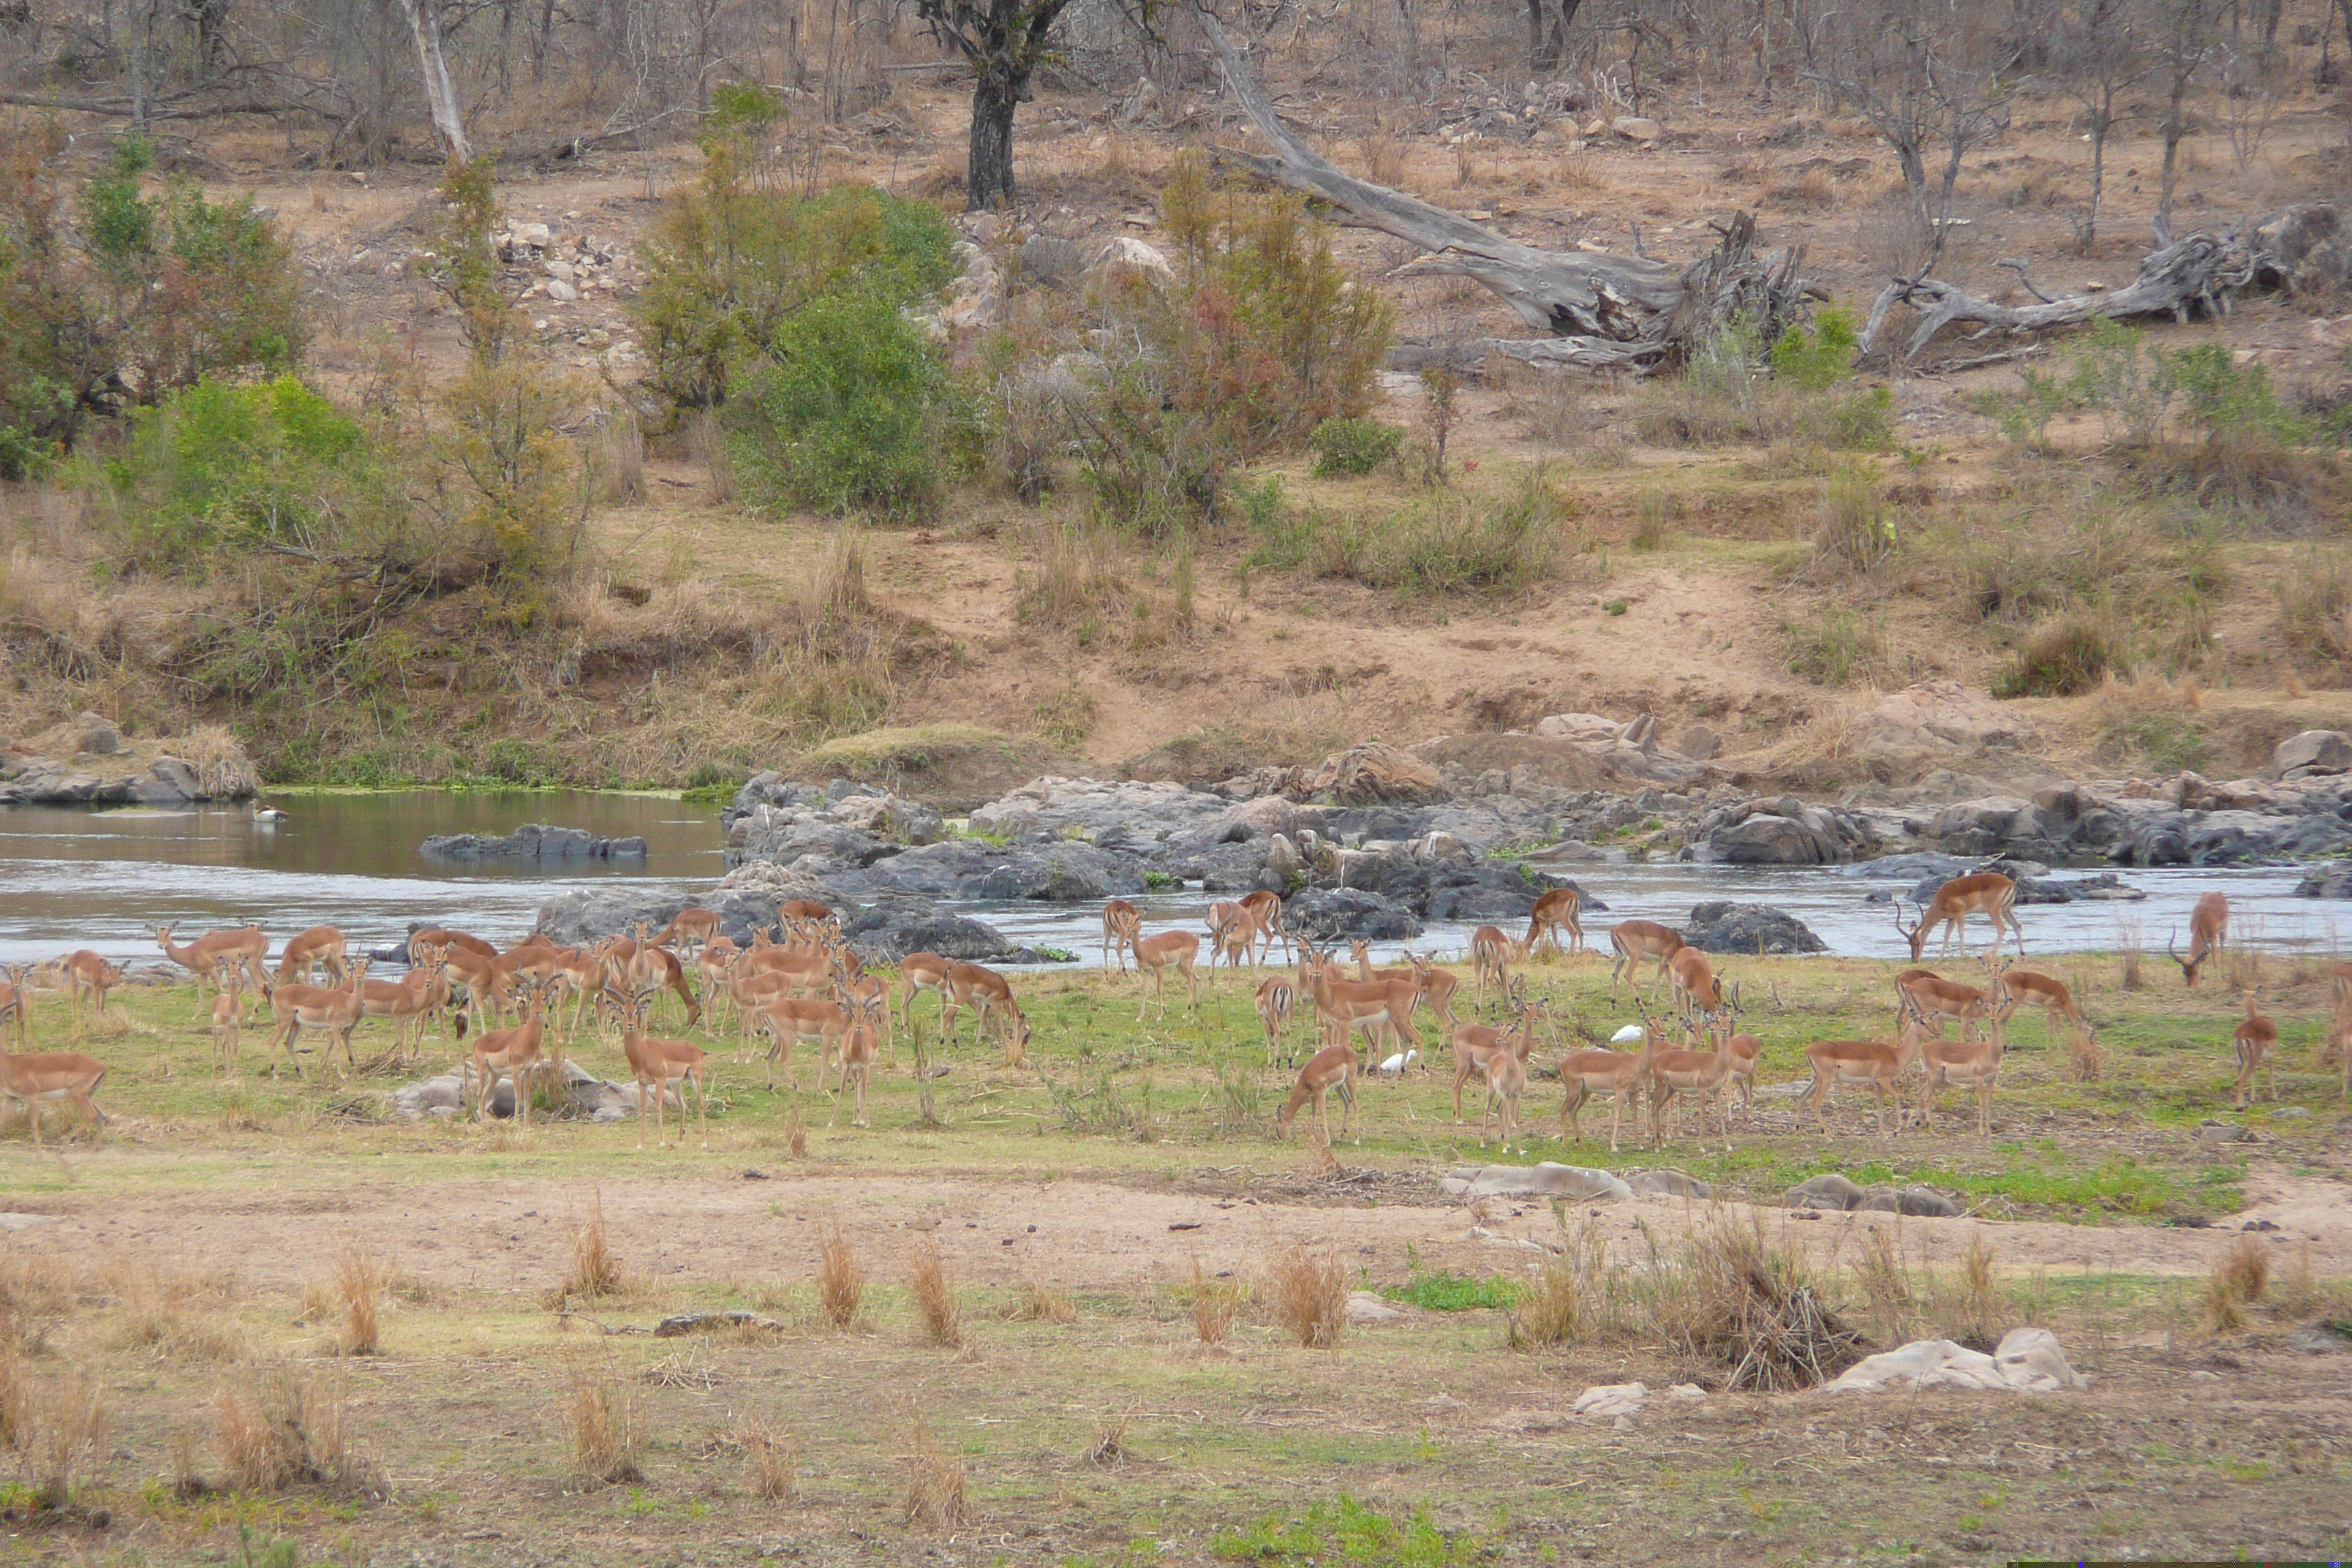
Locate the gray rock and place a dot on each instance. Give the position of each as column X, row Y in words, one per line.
column 532, row 841
column 2318, row 1339
column 1721, row 926
column 1364, row 1306
column 2223, row 1132
column 1698, row 742
column 1375, row 774
column 1281, row 862
column 577, row 917
column 1577, row 1183
column 1925, row 1201
column 1323, row 915
column 1123, row 810
column 168, row 781
column 1830, row 1191
column 1667, row 1185
column 2313, row 753
column 2333, row 881
column 98, row 738
column 887, row 934
column 1049, row 258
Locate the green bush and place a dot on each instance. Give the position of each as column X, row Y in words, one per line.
column 1353, row 446
column 1838, row 650
column 2064, row 657
column 842, row 415
column 1448, row 544
column 1821, row 358
column 732, row 257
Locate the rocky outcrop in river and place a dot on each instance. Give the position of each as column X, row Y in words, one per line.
column 531, row 841
column 89, row 761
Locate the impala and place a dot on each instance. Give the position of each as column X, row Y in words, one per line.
column 1507, row 1080
column 1586, row 1075
column 1122, row 922
column 1695, row 983
column 1437, row 987
column 1265, row 911
column 1332, row 1068
column 1232, row 934
column 449, row 940
column 1987, row 893
column 2255, row 1044
column 2208, row 932
column 228, row 1019
column 991, row 996
column 807, row 910
column 691, row 928
column 1342, row 1006
column 788, row 1019
column 1277, row 1001
column 307, row 952
column 1475, row 1044
column 515, row 1052
column 859, row 1047
column 1963, row 1064
column 921, row 971
column 2339, row 1042
column 17, row 1003
column 1636, row 942
column 1933, row 997
column 86, row 973
column 1858, row 1062
column 410, row 996
column 210, row 954
column 27, row 1078
column 1554, row 912
column 1706, row 1074
column 1156, row 955
column 1361, row 951
column 2015, row 988
column 297, row 1007
column 1490, row 960
column 857, row 985
column 656, row 1065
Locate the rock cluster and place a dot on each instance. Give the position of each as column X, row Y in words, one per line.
column 88, row 761
column 448, row 1096
column 532, row 841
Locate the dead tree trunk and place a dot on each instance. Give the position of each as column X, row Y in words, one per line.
column 1602, row 312
column 440, row 96
column 2198, row 274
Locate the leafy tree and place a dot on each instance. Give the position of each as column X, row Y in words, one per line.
column 1006, row 41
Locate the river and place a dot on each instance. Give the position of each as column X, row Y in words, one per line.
column 104, row 879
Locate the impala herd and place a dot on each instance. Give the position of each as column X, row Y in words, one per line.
column 799, row 983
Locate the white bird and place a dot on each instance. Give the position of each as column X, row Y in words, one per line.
column 1629, row 1035
column 267, row 816
column 1399, row 1062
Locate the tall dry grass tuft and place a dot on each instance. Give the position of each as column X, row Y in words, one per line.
column 16, row 1400
column 1738, row 1301
column 935, row 1303
column 1036, row 1301
column 1548, row 1315
column 619, row 459
column 275, row 1431
column 774, row 1457
column 706, row 443
column 1072, row 580
column 594, row 1271
column 361, row 1280
column 836, row 588
column 1308, row 1293
column 2239, row 1280
column 1886, row 1282
column 2084, row 1060
column 1383, row 151
column 160, row 1315
column 2127, row 942
column 69, row 1424
column 1215, row 1304
column 603, row 1416
column 840, row 1280
column 796, row 1135
column 1980, row 1295
column 933, row 1495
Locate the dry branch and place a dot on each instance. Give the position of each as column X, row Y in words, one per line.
column 2199, row 274
column 1603, row 311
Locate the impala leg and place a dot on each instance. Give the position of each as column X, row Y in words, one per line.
column 701, row 1111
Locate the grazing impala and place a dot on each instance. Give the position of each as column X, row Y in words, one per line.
column 1987, row 893
column 657, row 1064
column 921, row 971
column 211, row 954
column 448, row 941
column 1962, row 1064
column 1933, row 997
column 1620, row 1075
column 2015, row 988
column 1490, row 962
column 1343, row 1007
column 1859, row 1062
column 1437, row 987
column 1554, row 912
column 1696, row 985
column 1636, row 942
column 2208, row 933
column 1334, row 1068
column 1156, row 955
column 991, row 997
column 29, row 1078
column 690, row 928
column 788, row 1019
column 2254, row 1045
column 309, row 951
column 1122, row 923
column 86, row 973
column 297, row 1007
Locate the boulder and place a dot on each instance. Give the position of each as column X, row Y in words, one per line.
column 888, row 932
column 1666, row 1184
column 1637, row 128
column 1365, row 1307
column 2333, row 881
column 1050, row 259
column 532, row 841
column 1722, row 926
column 1324, row 915
column 1376, row 773
column 1938, row 716
column 1830, row 1191
column 1926, row 1203
column 97, row 737
column 2311, row 753
column 1580, row 727
column 1612, row 1399
column 2029, row 1360
column 1102, row 811
column 1575, row 1184
column 574, row 919
column 1699, row 743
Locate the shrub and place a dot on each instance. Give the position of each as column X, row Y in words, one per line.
column 1307, row 1292
column 2315, row 615
column 1449, row 544
column 1838, row 650
column 1736, row 1301
column 1818, row 358
column 842, row 415
column 1856, row 533
column 2064, row 657
column 508, row 479
column 1352, row 445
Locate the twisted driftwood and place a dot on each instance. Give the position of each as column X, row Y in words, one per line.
column 2199, row 274
column 1602, row 312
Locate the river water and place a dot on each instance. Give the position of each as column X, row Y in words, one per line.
column 70, row 877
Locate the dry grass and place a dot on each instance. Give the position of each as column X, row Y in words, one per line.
column 2084, row 1060
column 706, row 443
column 67, row 1439
column 1382, row 152
column 275, row 1431
column 932, row 1496
column 1741, row 1303
column 2128, row 942
column 602, row 1417
column 1215, row 1304
column 1110, row 1444
column 1072, row 580
column 618, row 458
column 774, row 1457
column 1306, row 1291
column 840, row 1279
column 1036, row 1301
column 2239, row 1280
column 1582, row 172
column 595, row 1273
column 1978, row 1295
column 935, row 1303
column 159, row 1316
column 361, row 1280
column 796, row 1135
column 1550, row 1314
column 836, row 588
column 15, row 1402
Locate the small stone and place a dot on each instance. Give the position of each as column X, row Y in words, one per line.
column 560, row 292
column 2202, row 1377
column 1686, row 1391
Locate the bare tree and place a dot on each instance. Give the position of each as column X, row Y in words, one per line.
column 2100, row 56
column 1006, row 40
column 424, row 22
column 1922, row 73
column 2184, row 38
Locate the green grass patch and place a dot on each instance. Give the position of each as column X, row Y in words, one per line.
column 1447, row 1292
column 1347, row 1531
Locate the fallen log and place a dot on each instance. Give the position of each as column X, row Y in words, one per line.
column 1602, row 312
column 2199, row 274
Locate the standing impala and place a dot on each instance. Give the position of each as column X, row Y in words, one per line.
column 2015, row 988
column 1490, row 961
column 1122, row 923
column 1933, row 997
column 86, row 973
column 216, row 952
column 2208, row 932
column 338, row 1012
column 657, row 1064
column 1963, row 1064
column 1343, row 1007
column 1704, row 1075
column 1873, row 1063
column 1554, row 912
column 2254, row 1045
column 27, row 1078
column 1620, row 1075
column 1636, row 942
column 515, row 1052
column 1277, row 1002
column 307, row 952
column 1334, row 1068
column 859, row 1047
column 1158, row 953
column 16, row 1003
column 1986, row 894
column 1266, row 909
